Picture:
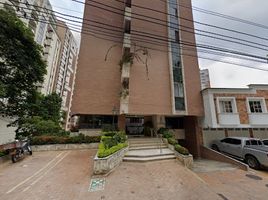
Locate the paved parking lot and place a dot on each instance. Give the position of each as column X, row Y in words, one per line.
column 47, row 175
column 66, row 175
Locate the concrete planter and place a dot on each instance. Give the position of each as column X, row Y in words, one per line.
column 165, row 140
column 58, row 147
column 171, row 147
column 105, row 165
column 187, row 161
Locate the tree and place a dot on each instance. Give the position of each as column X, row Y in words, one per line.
column 22, row 68
column 44, row 116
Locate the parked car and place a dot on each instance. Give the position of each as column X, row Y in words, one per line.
column 251, row 150
column 265, row 142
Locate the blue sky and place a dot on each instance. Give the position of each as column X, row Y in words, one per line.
column 222, row 75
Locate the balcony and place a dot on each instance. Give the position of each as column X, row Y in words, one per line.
column 127, row 40
column 128, row 13
column 229, row 119
column 258, row 118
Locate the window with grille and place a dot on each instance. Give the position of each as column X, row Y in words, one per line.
column 226, row 106
column 255, row 106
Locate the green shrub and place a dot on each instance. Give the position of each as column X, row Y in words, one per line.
column 3, row 153
column 181, row 150
column 172, row 141
column 167, row 134
column 108, row 141
column 38, row 126
column 103, row 152
column 162, row 130
column 45, row 139
column 120, row 137
column 109, row 133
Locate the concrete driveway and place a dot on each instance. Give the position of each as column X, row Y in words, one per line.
column 67, row 175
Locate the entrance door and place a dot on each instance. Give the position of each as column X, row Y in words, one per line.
column 135, row 125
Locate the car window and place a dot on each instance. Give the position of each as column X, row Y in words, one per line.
column 265, row 142
column 259, row 142
column 227, row 140
column 236, row 142
column 247, row 142
column 254, row 142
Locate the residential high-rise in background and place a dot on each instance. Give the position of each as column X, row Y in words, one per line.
column 205, row 79
column 59, row 52
column 39, row 17
column 156, row 83
column 65, row 73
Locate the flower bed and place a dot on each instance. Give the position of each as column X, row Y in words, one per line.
column 111, row 151
column 80, row 139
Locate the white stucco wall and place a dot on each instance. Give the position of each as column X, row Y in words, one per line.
column 7, row 134
column 210, row 135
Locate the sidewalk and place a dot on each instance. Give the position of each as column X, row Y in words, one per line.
column 164, row 180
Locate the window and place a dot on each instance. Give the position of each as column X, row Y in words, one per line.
column 226, row 106
column 236, row 142
column 253, row 142
column 177, row 37
column 41, row 31
column 231, row 141
column 178, row 90
column 179, row 103
column 227, row 140
column 255, row 106
column 128, row 3
column 176, row 12
column 127, row 26
column 134, row 120
column 96, row 121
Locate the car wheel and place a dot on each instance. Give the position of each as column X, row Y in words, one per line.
column 252, row 162
column 215, row 147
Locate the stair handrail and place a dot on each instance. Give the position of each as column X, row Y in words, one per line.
column 159, row 136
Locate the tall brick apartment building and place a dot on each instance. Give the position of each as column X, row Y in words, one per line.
column 129, row 33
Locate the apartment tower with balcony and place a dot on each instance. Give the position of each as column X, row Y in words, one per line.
column 138, row 68
column 65, row 73
column 39, row 17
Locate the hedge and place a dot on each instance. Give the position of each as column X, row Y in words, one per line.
column 44, row 140
column 103, row 152
column 172, row 141
column 181, row 150
column 3, row 153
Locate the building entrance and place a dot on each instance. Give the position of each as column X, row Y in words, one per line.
column 135, row 125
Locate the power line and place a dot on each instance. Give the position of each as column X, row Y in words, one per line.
column 194, row 21
column 183, row 30
column 156, row 38
column 219, row 15
column 159, row 24
column 120, row 42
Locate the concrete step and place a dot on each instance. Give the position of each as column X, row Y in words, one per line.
column 149, row 153
column 146, row 147
column 157, row 145
column 148, row 159
column 144, row 141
